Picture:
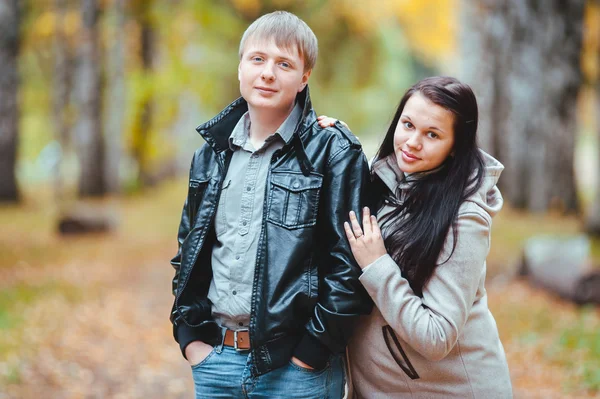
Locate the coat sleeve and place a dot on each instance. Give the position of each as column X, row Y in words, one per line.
column 341, row 297
column 431, row 325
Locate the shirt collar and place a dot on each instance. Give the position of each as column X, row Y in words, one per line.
column 241, row 131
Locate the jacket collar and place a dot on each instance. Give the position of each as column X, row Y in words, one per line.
column 390, row 174
column 216, row 131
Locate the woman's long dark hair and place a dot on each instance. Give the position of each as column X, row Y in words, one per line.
column 419, row 225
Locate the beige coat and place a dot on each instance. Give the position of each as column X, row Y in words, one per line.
column 446, row 344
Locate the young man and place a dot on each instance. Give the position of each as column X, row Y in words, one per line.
column 266, row 288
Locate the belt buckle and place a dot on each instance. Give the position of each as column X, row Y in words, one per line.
column 235, row 340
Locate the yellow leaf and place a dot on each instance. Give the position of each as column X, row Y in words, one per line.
column 45, row 24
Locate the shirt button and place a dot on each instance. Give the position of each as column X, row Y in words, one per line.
column 241, row 324
column 296, row 185
column 234, row 292
column 237, row 257
column 248, row 188
column 244, row 223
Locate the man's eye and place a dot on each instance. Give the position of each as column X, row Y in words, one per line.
column 284, row 64
column 256, row 58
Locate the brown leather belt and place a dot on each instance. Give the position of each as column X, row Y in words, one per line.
column 238, row 339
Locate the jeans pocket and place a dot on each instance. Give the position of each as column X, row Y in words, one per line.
column 308, row 371
column 203, row 361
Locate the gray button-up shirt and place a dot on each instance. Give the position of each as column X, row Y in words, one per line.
column 238, row 221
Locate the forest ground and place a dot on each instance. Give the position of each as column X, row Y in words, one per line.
column 87, row 317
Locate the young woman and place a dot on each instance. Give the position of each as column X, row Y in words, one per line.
column 431, row 334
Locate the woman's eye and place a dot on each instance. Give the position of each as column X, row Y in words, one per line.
column 408, row 125
column 432, row 135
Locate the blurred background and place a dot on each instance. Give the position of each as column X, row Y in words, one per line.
column 99, row 100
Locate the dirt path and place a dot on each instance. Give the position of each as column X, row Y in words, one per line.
column 115, row 343
column 112, row 339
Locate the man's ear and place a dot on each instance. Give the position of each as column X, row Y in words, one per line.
column 305, row 80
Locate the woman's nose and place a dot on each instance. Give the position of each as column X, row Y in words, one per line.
column 413, row 141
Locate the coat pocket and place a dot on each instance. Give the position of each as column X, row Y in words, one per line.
column 294, row 199
column 393, row 345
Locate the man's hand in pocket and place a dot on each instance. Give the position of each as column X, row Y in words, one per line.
column 197, row 351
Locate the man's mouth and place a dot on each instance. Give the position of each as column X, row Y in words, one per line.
column 266, row 89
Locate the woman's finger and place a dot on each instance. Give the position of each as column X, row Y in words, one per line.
column 326, row 121
column 355, row 226
column 367, row 220
column 375, row 225
column 349, row 234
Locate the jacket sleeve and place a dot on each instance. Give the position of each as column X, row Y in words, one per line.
column 341, row 297
column 432, row 325
column 182, row 233
column 182, row 333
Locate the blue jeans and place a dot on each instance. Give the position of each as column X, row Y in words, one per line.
column 225, row 373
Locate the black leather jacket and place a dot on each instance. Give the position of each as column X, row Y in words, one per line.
column 306, row 295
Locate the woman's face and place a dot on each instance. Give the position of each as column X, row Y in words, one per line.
column 424, row 136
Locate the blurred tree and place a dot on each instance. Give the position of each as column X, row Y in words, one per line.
column 9, row 107
column 62, row 85
column 92, row 181
column 593, row 216
column 364, row 62
column 142, row 11
column 592, row 45
column 528, row 91
column 115, row 99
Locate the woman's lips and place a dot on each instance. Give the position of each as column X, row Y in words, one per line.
column 408, row 157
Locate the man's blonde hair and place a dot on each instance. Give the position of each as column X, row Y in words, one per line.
column 287, row 30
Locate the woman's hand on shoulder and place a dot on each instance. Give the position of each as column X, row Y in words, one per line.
column 326, row 121
column 367, row 243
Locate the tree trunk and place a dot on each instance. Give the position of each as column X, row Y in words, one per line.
column 528, row 93
column 9, row 106
column 143, row 119
column 480, row 41
column 146, row 114
column 89, row 130
column 593, row 217
column 63, row 72
column 115, row 105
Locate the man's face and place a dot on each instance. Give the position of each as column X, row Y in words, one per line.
column 270, row 77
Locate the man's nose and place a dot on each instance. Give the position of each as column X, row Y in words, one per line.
column 267, row 71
